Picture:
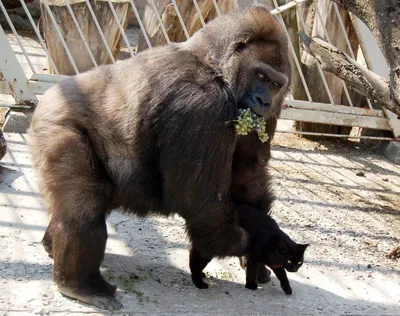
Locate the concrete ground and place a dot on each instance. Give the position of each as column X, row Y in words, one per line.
column 343, row 200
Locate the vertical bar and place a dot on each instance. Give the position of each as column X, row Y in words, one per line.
column 164, row 31
column 57, row 28
column 41, row 41
column 196, row 5
column 293, row 52
column 180, row 19
column 347, row 40
column 121, row 29
column 80, row 33
column 321, row 73
column 17, row 37
column 12, row 72
column 327, row 37
column 146, row 37
column 100, row 31
column 217, row 8
column 236, row 5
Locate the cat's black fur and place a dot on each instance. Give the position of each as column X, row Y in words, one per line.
column 273, row 247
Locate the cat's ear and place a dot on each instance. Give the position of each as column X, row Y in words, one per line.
column 303, row 247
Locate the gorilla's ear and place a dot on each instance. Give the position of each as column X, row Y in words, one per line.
column 240, row 46
column 259, row 6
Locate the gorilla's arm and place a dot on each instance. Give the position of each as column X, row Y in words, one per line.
column 196, row 164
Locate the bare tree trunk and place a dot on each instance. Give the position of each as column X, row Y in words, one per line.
column 362, row 79
column 317, row 19
column 383, row 19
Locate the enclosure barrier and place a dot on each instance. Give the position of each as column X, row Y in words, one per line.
column 24, row 75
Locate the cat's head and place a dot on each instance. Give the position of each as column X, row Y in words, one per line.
column 284, row 252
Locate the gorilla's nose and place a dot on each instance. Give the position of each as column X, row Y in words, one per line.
column 262, row 99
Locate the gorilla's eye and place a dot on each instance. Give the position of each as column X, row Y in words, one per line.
column 275, row 84
column 289, row 261
column 299, row 262
column 261, row 75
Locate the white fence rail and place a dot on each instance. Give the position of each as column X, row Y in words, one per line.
column 24, row 75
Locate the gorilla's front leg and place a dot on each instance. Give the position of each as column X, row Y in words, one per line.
column 197, row 263
column 214, row 236
column 263, row 274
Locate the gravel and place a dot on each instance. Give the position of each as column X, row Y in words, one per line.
column 350, row 221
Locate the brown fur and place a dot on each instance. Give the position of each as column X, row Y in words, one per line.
column 149, row 135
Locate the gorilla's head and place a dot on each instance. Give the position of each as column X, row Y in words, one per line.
column 250, row 51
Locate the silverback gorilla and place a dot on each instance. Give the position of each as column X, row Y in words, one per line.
column 152, row 135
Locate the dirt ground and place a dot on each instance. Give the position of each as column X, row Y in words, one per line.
column 340, row 198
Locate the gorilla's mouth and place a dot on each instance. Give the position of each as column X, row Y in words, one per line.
column 263, row 110
column 258, row 107
column 256, row 110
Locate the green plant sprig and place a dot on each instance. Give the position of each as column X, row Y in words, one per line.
column 248, row 122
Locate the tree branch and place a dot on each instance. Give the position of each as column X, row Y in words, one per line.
column 360, row 78
column 383, row 19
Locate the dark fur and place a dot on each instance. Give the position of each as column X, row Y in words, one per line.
column 149, row 135
column 272, row 247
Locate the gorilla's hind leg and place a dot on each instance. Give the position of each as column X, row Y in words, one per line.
column 82, row 245
column 78, row 192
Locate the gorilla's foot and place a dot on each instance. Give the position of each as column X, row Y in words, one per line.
column 100, row 296
column 264, row 274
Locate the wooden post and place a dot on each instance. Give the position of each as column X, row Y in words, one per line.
column 72, row 38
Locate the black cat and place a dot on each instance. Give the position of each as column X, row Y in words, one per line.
column 270, row 246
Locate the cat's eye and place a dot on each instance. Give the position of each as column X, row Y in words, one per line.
column 261, row 75
column 289, row 261
column 299, row 262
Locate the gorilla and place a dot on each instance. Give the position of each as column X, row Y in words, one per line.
column 154, row 134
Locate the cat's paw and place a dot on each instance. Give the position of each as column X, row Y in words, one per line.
column 287, row 289
column 251, row 286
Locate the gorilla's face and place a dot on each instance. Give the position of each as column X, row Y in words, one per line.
column 251, row 53
column 262, row 77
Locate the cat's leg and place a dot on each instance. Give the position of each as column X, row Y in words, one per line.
column 197, row 263
column 281, row 275
column 264, row 274
column 251, row 274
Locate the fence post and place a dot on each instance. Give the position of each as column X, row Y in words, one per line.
column 13, row 76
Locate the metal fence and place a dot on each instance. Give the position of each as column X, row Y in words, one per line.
column 25, row 61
